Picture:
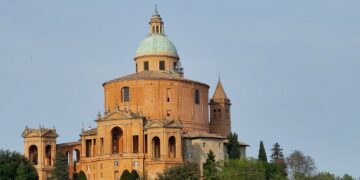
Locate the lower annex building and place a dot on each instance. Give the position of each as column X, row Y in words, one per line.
column 153, row 119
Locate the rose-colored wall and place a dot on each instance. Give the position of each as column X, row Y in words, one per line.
column 149, row 97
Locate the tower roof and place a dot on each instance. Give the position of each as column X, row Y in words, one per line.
column 219, row 92
column 156, row 43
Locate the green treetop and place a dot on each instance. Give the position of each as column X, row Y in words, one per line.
column 262, row 153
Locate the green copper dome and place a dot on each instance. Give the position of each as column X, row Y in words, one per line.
column 156, row 44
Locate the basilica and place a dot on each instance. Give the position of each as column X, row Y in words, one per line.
column 153, row 119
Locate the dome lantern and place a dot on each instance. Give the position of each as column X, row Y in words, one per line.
column 156, row 52
column 156, row 23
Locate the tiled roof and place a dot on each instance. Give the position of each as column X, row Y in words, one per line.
column 89, row 132
column 199, row 134
column 154, row 75
column 219, row 92
column 69, row 144
column 243, row 144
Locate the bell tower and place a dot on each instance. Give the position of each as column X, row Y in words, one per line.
column 220, row 116
column 40, row 149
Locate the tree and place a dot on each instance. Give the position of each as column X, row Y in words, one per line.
column 277, row 157
column 274, row 171
column 243, row 169
column 277, row 153
column 233, row 147
column 347, row 177
column 210, row 167
column 75, row 175
column 125, row 175
column 323, row 176
column 13, row 165
column 300, row 165
column 61, row 168
column 134, row 175
column 262, row 153
column 26, row 171
column 185, row 171
column 82, row 176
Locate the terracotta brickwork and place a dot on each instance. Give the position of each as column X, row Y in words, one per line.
column 220, row 114
column 162, row 98
column 152, row 120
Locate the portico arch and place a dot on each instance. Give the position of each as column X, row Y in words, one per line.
column 48, row 155
column 156, row 147
column 76, row 155
column 117, row 140
column 33, row 154
column 172, row 147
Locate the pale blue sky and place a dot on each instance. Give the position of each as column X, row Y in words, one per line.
column 291, row 68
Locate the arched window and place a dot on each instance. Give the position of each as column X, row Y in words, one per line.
column 172, row 147
column 76, row 155
column 33, row 154
column 197, row 96
column 125, row 94
column 68, row 157
column 48, row 155
column 156, row 147
column 117, row 140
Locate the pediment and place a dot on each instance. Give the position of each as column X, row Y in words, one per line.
column 41, row 132
column 50, row 133
column 163, row 124
column 118, row 115
column 154, row 124
column 30, row 134
column 173, row 123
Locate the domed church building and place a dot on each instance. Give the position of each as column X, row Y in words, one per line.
column 153, row 119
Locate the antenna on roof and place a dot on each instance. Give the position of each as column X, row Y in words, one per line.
column 219, row 76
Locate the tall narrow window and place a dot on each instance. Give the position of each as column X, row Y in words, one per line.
column 94, row 147
column 156, row 147
column 125, row 94
column 136, row 144
column 175, row 64
column 88, row 147
column 172, row 147
column 101, row 145
column 168, row 94
column 146, row 65
column 197, row 96
column 162, row 65
column 219, row 114
column 76, row 155
column 136, row 69
column 68, row 157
